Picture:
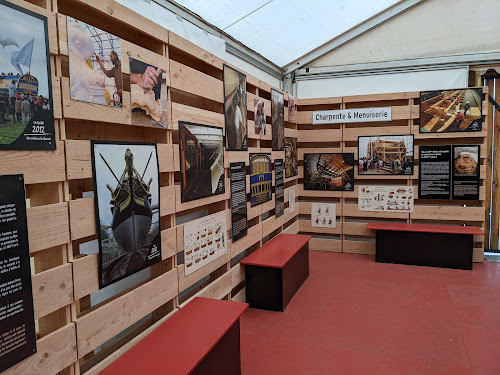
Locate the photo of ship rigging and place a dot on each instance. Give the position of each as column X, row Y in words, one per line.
column 291, row 157
column 333, row 172
column 127, row 200
column 95, row 67
column 385, row 155
column 261, row 179
column 235, row 109
column 148, row 94
column 278, row 120
column 458, row 110
column 201, row 150
column 26, row 113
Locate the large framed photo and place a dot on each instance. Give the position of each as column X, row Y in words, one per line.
column 201, row 150
column 26, row 109
column 259, row 116
column 261, row 179
column 235, row 109
column 291, row 157
column 127, row 204
column 278, row 120
column 148, row 94
column 457, row 110
column 380, row 155
column 332, row 172
column 95, row 68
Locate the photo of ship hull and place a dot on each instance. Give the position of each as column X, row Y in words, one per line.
column 380, row 155
column 127, row 189
column 331, row 172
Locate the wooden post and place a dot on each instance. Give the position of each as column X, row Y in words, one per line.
column 495, row 192
column 489, row 142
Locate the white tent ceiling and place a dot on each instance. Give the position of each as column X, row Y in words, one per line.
column 284, row 30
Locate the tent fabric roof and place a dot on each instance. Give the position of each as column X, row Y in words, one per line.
column 284, row 30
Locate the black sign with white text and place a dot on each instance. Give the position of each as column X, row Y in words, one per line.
column 434, row 173
column 279, row 192
column 17, row 322
column 239, row 223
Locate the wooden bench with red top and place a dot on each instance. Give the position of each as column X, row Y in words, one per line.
column 446, row 246
column 276, row 271
column 201, row 338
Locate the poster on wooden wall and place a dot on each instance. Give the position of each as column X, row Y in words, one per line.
column 95, row 67
column 291, row 157
column 148, row 94
column 465, row 169
column 201, row 150
column 278, row 120
column 382, row 155
column 279, row 190
column 127, row 204
column 17, row 331
column 332, row 172
column 292, row 109
column 291, row 199
column 385, row 198
column 238, row 183
column 261, row 179
column 26, row 109
column 235, row 109
column 455, row 110
column 323, row 215
column 204, row 241
column 259, row 115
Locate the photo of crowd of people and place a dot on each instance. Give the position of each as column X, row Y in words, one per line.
column 25, row 87
column 95, row 69
column 385, row 155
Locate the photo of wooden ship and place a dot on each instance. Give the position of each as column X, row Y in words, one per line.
column 329, row 172
column 451, row 110
column 386, row 154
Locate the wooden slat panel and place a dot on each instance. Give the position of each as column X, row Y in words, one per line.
column 292, row 229
column 377, row 97
column 37, row 166
column 187, row 281
column 48, row 226
column 216, row 290
column 86, row 275
column 199, row 202
column 54, row 353
column 457, row 213
column 270, row 225
column 240, row 296
column 167, row 200
column 325, row 244
column 82, row 218
column 100, row 325
column 192, row 49
column 187, row 79
column 181, row 112
column 168, row 243
column 237, row 274
column 306, row 227
column 320, row 135
column 253, row 236
column 358, row 247
column 166, row 157
column 52, row 290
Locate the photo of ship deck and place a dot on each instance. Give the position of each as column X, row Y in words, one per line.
column 333, row 172
column 451, row 110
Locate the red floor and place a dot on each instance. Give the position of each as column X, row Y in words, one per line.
column 355, row 316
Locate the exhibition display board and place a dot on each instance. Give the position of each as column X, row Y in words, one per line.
column 82, row 329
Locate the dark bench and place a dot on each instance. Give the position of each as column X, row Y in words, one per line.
column 425, row 245
column 201, row 338
column 276, row 271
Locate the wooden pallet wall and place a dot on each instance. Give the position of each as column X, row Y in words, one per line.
column 74, row 336
column 351, row 235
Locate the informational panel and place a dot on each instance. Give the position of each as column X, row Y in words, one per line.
column 17, row 321
column 291, row 199
column 323, row 215
column 352, row 115
column 434, row 180
column 449, row 172
column 204, row 241
column 279, row 191
column 385, row 198
column 239, row 223
column 26, row 108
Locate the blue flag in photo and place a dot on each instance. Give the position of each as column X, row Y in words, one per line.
column 22, row 57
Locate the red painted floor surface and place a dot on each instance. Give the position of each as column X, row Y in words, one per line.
column 355, row 316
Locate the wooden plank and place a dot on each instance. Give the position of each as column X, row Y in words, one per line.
column 56, row 97
column 82, row 218
column 100, row 325
column 48, row 226
column 85, row 275
column 37, row 166
column 306, row 227
column 351, row 210
column 74, row 109
column 166, row 157
column 144, row 55
column 325, row 244
column 218, row 289
column 352, row 134
column 237, row 275
column 240, row 296
column 271, row 224
column 251, row 80
column 187, row 79
column 200, row 202
column 167, row 200
column 320, row 135
column 193, row 50
column 181, row 112
column 318, row 101
column 451, row 213
column 168, row 243
column 55, row 352
column 253, row 236
column 52, row 289
column 358, row 247
column 377, row 97
column 495, row 206
column 187, row 281
column 292, row 229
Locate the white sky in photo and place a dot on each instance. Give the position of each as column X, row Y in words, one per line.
column 23, row 28
column 115, row 156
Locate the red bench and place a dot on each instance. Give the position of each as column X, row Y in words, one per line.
column 276, row 271
column 425, row 245
column 202, row 338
